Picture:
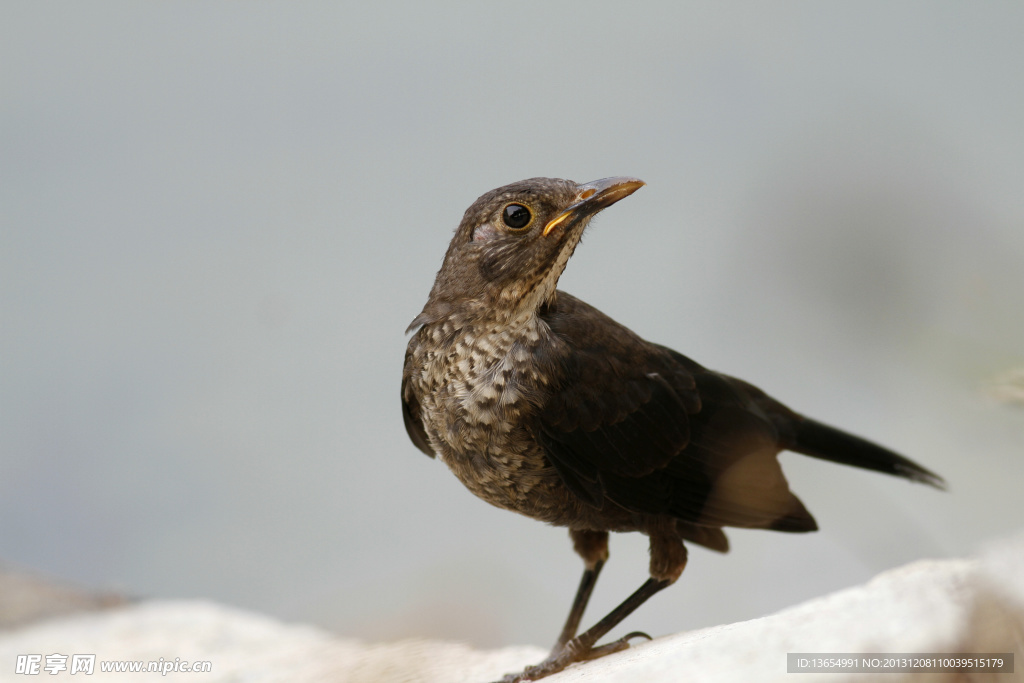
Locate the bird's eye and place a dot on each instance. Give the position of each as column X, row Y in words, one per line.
column 516, row 216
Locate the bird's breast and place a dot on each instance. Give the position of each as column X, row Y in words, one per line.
column 478, row 389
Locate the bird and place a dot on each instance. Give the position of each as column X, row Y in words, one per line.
column 542, row 405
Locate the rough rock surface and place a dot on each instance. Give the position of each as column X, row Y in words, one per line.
column 974, row 605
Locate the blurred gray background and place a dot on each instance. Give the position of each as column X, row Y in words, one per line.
column 218, row 219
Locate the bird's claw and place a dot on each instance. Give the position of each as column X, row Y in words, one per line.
column 614, row 646
column 570, row 654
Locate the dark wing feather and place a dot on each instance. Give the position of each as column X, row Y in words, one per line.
column 612, row 413
column 647, row 429
column 412, row 416
column 612, row 429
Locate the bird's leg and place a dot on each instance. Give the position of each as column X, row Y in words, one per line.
column 572, row 623
column 668, row 559
column 592, row 546
column 581, row 648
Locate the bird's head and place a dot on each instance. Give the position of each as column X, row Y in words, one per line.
column 513, row 244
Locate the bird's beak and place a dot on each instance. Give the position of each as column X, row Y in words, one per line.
column 592, row 197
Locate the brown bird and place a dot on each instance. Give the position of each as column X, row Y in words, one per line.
column 541, row 404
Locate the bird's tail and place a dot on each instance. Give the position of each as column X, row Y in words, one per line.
column 828, row 443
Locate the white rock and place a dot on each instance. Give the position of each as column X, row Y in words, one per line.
column 930, row 606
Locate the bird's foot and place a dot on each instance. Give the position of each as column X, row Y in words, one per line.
column 574, row 651
column 614, row 646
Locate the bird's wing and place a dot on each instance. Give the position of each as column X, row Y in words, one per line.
column 642, row 427
column 411, row 414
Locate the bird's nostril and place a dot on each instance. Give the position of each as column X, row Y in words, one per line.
column 587, row 194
